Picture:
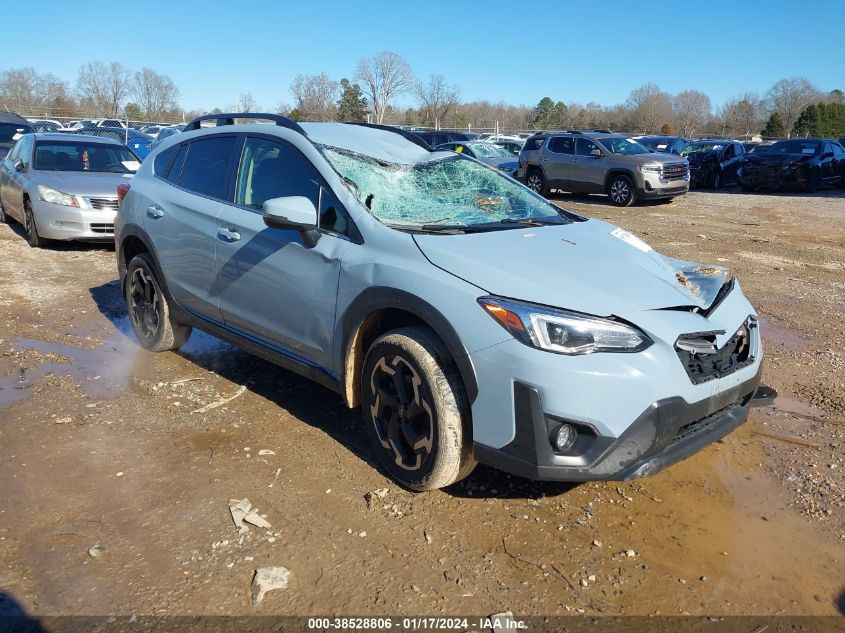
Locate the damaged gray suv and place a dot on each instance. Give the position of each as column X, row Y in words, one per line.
column 468, row 318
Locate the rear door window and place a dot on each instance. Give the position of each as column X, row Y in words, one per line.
column 562, row 145
column 206, row 168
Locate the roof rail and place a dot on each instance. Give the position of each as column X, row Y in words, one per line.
column 229, row 119
column 389, row 128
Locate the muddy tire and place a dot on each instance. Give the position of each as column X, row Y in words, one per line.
column 536, row 182
column 149, row 308
column 621, row 191
column 415, row 410
column 31, row 229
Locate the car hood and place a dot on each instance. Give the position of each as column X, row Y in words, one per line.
column 80, row 183
column 592, row 267
column 701, row 157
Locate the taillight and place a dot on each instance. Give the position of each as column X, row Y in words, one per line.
column 122, row 190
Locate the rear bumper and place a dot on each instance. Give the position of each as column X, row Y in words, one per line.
column 667, row 432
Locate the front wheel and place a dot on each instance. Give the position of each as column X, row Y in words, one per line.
column 813, row 182
column 149, row 308
column 32, row 236
column 620, row 191
column 716, row 182
column 415, row 410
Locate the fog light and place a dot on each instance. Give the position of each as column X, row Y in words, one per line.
column 564, row 437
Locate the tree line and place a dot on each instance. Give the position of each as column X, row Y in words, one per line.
column 792, row 106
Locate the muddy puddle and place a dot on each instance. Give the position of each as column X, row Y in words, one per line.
column 780, row 337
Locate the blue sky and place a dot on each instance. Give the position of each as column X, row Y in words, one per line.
column 513, row 51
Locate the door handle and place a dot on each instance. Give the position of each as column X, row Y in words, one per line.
column 228, row 236
column 155, row 212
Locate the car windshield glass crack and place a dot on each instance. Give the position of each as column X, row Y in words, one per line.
column 452, row 191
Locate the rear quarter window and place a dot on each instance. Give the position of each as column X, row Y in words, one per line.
column 208, row 166
column 533, row 143
column 163, row 160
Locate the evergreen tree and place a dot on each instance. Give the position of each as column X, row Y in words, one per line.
column 352, row 105
column 808, row 123
column 774, row 126
column 550, row 115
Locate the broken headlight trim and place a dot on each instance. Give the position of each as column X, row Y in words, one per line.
column 563, row 331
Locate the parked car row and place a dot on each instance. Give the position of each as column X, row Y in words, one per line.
column 140, row 140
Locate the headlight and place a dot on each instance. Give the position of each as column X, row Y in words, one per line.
column 56, row 197
column 650, row 169
column 563, row 331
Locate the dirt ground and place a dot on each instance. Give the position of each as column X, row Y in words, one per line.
column 101, row 444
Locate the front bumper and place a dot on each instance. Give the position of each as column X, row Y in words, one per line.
column 667, row 432
column 653, row 186
column 773, row 178
column 60, row 222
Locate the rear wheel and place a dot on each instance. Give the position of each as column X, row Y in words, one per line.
column 3, row 217
column 32, row 236
column 536, row 182
column 620, row 191
column 149, row 308
column 415, row 410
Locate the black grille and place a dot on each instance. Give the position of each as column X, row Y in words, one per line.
column 734, row 355
column 675, row 171
column 104, row 203
column 102, row 228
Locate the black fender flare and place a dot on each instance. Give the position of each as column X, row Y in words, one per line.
column 133, row 230
column 377, row 298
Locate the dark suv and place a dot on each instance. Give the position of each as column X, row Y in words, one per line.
column 12, row 127
column 599, row 161
column 439, row 137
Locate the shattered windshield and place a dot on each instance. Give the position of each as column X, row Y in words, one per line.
column 619, row 145
column 700, row 148
column 454, row 192
column 488, row 150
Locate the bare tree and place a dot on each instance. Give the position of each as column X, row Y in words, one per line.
column 383, row 78
column 650, row 107
column 789, row 97
column 25, row 91
column 246, row 103
column 315, row 97
column 691, row 110
column 155, row 94
column 742, row 116
column 103, row 88
column 436, row 99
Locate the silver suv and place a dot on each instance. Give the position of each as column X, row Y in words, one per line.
column 465, row 316
column 600, row 162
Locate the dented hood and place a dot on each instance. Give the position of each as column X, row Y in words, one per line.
column 591, row 267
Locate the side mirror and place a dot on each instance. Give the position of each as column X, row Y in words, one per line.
column 597, row 153
column 293, row 212
column 19, row 165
